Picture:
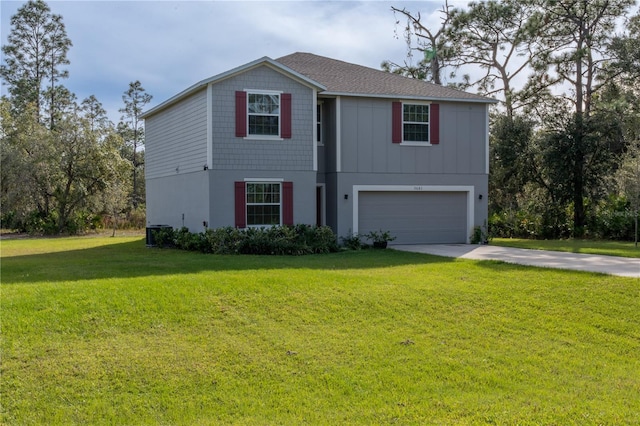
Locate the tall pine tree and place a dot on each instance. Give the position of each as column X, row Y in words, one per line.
column 34, row 58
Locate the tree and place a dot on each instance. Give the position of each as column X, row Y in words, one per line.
column 626, row 69
column 501, row 38
column 130, row 128
column 431, row 44
column 512, row 160
column 95, row 113
column 574, row 53
column 36, row 51
column 49, row 177
column 28, row 168
column 628, row 180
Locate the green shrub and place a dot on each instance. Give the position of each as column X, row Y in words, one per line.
column 609, row 219
column 613, row 219
column 276, row 240
column 321, row 239
column 164, row 237
column 352, row 241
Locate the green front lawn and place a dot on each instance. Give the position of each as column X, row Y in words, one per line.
column 609, row 248
column 106, row 331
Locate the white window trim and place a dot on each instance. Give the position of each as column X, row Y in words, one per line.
column 470, row 191
column 246, row 202
column 416, row 143
column 265, row 137
column 338, row 134
column 319, row 110
column 264, row 180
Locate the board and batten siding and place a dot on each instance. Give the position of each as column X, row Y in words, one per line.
column 367, row 140
column 237, row 153
column 177, row 138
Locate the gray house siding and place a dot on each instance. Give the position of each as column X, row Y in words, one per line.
column 369, row 158
column 242, row 159
column 178, row 184
column 221, row 203
column 176, row 138
column 366, row 140
column 237, row 153
column 179, row 200
column 175, row 153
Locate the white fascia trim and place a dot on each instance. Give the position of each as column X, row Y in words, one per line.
column 413, row 98
column 209, row 125
column 314, row 134
column 263, row 179
column 469, row 189
column 338, row 134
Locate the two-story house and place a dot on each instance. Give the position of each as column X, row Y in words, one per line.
column 309, row 139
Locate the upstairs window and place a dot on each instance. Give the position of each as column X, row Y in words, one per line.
column 264, row 114
column 415, row 123
column 319, row 123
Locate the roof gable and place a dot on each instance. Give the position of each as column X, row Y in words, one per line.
column 343, row 78
column 264, row 61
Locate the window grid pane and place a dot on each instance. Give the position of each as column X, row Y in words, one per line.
column 264, row 104
column 416, row 132
column 263, row 215
column 263, row 125
column 263, row 204
column 415, row 123
column 264, row 114
column 319, row 123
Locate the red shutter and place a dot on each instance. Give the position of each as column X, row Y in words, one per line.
column 396, row 125
column 287, row 203
column 240, row 205
column 241, row 114
column 434, row 124
column 285, row 108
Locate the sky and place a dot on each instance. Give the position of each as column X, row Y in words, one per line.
column 170, row 45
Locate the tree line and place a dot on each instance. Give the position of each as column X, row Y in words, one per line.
column 565, row 138
column 564, row 141
column 66, row 167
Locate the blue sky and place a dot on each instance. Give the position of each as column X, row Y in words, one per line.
column 170, row 45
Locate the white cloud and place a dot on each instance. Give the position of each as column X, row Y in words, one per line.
column 169, row 45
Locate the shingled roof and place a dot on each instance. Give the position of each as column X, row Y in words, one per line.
column 344, row 78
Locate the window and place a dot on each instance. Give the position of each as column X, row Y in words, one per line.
column 263, row 204
column 319, row 123
column 264, row 114
column 415, row 123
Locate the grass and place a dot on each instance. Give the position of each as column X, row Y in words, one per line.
column 608, row 248
column 105, row 331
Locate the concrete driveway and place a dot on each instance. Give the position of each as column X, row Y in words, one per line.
column 622, row 266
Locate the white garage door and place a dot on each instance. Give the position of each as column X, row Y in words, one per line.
column 415, row 217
